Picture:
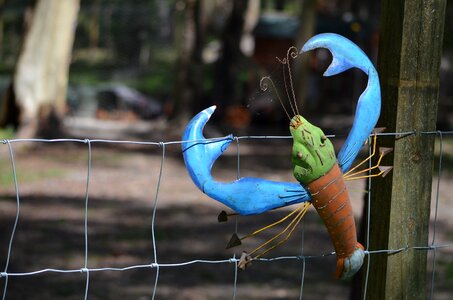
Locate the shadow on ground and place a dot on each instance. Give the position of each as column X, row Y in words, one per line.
column 120, row 235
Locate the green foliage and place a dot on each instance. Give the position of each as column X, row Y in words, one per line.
column 155, row 83
column 6, row 133
column 158, row 79
column 449, row 272
column 289, row 7
column 25, row 176
column 81, row 74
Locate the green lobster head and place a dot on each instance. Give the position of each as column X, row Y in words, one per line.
column 313, row 154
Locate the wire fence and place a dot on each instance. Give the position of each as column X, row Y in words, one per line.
column 157, row 265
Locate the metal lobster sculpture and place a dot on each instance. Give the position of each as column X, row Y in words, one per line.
column 319, row 172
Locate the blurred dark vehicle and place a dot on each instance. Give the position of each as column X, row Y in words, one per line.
column 123, row 98
column 115, row 101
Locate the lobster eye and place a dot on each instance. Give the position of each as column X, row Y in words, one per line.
column 323, row 139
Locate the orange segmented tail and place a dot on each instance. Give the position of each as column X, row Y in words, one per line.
column 330, row 197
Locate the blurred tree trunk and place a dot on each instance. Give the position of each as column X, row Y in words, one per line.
column 38, row 91
column 107, row 18
column 228, row 88
column 280, row 4
column 93, row 24
column 307, row 20
column 2, row 7
column 189, row 71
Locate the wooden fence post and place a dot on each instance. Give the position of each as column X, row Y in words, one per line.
column 409, row 61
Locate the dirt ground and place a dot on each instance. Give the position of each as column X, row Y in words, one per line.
column 122, row 189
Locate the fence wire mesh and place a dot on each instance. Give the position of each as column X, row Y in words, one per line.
column 157, row 265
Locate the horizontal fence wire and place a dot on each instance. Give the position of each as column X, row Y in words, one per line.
column 156, row 264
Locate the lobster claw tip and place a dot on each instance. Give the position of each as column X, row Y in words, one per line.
column 385, row 150
column 305, row 48
column 384, row 170
column 379, row 129
column 210, row 110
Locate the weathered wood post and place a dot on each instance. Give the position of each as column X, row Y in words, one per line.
column 409, row 60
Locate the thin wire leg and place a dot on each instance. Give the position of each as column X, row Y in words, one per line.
column 287, row 236
column 291, row 225
column 371, row 154
column 297, row 210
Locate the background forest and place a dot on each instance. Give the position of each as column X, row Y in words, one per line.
column 164, row 58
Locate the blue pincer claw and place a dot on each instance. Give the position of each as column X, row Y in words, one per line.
column 247, row 195
column 347, row 55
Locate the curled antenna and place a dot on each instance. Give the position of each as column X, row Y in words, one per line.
column 264, row 87
column 291, row 53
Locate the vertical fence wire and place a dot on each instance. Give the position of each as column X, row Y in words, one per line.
column 368, row 216
column 87, row 193
column 235, row 282
column 153, row 229
column 238, row 176
column 16, row 220
column 436, row 207
column 302, row 280
column 238, row 155
column 236, row 219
